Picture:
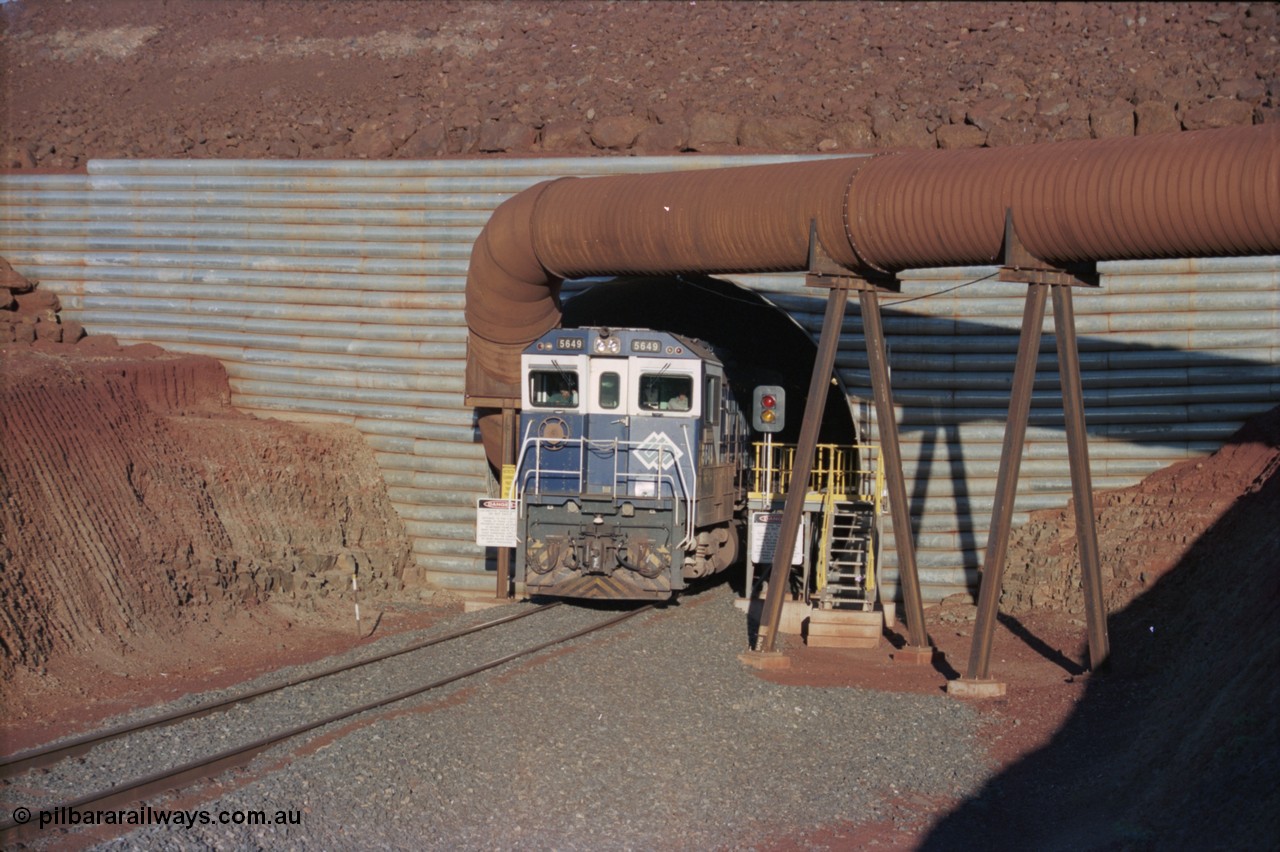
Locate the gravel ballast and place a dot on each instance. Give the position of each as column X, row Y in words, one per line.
column 650, row 735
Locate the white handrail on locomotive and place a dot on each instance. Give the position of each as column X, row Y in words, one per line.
column 683, row 495
column 689, row 538
column 536, row 471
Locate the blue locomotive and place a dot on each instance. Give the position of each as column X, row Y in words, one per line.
column 631, row 465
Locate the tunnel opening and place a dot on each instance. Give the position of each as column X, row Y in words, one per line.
column 761, row 343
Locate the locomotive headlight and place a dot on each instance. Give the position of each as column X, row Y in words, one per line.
column 608, row 345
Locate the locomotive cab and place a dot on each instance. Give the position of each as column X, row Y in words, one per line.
column 630, row 464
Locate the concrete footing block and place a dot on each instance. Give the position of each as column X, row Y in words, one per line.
column 913, row 656
column 974, row 688
column 765, row 660
column 794, row 614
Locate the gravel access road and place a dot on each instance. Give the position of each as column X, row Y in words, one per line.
column 649, row 735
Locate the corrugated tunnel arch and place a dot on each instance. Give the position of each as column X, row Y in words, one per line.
column 1194, row 194
column 760, row 342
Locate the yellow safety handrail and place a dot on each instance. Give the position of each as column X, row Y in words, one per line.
column 835, row 470
column 871, row 549
column 840, row 473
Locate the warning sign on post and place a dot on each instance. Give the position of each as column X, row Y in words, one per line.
column 495, row 522
column 763, row 537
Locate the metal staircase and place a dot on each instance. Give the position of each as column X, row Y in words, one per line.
column 848, row 556
column 837, row 570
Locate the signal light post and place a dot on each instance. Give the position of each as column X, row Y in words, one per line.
column 769, row 409
column 769, row 416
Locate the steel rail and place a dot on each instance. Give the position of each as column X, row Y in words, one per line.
column 38, row 758
column 207, row 767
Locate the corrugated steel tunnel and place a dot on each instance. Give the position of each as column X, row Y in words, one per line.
column 1195, row 194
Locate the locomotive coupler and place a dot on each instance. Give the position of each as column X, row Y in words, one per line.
column 600, row 557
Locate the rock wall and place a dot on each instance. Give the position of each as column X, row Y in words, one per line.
column 133, row 499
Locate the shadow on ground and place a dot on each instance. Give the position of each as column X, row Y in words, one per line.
column 1175, row 745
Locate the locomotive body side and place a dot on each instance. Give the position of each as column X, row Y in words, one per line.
column 631, row 465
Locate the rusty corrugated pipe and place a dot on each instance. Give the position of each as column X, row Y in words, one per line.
column 1202, row 193
column 751, row 219
column 1207, row 193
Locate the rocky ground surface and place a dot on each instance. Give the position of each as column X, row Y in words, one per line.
column 1174, row 746
column 371, row 79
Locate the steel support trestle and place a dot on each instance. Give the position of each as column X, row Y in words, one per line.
column 891, row 459
column 1015, row 432
column 793, row 508
column 1011, row 461
column 1064, row 323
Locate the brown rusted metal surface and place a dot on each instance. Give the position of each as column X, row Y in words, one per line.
column 1210, row 193
column 751, row 219
column 1203, row 193
column 1015, row 433
column 1064, row 324
column 793, row 508
column 891, row 461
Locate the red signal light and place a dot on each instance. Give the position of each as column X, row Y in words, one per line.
column 768, row 408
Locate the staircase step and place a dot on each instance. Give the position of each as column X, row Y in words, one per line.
column 842, row 628
column 842, row 642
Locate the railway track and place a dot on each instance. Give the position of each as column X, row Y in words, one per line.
column 136, row 789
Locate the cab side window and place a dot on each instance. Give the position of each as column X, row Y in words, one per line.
column 553, row 388
column 665, row 392
column 711, row 401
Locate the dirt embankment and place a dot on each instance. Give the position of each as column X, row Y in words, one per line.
column 1144, row 532
column 295, row 79
column 134, row 501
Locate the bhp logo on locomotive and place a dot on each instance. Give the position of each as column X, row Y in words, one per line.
column 658, row 451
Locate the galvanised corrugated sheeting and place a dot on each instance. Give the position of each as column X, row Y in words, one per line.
column 1174, row 354
column 333, row 291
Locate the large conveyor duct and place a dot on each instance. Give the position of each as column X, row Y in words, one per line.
column 1195, row 194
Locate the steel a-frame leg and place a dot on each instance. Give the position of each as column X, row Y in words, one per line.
column 1007, row 479
column 890, row 458
column 1064, row 324
column 918, row 651
column 793, row 507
